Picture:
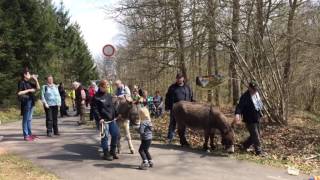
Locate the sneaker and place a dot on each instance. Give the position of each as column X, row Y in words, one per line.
column 150, row 164
column 144, row 166
column 49, row 134
column 35, row 137
column 28, row 138
column 169, row 141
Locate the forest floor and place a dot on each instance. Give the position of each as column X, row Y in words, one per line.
column 295, row 145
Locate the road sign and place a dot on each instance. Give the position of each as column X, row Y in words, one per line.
column 108, row 50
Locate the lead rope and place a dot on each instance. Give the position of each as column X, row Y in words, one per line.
column 102, row 128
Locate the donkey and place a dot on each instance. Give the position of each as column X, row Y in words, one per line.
column 128, row 112
column 203, row 116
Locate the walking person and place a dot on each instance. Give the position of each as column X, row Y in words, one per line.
column 80, row 99
column 26, row 91
column 51, row 101
column 63, row 107
column 179, row 91
column 145, row 131
column 250, row 107
column 105, row 113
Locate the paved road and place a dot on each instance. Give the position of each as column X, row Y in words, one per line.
column 74, row 155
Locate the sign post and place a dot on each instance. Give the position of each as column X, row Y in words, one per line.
column 109, row 50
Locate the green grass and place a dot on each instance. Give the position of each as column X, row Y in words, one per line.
column 9, row 115
column 12, row 114
column 14, row 167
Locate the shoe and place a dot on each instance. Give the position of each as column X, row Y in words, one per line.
column 169, row 141
column 144, row 166
column 35, row 137
column 57, row 134
column 114, row 154
column 150, row 164
column 81, row 123
column 107, row 156
column 49, row 134
column 243, row 149
column 185, row 145
column 28, row 138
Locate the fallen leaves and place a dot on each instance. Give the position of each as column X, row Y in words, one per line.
column 294, row 145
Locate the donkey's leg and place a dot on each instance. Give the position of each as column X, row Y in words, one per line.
column 128, row 136
column 120, row 124
column 206, row 139
column 212, row 134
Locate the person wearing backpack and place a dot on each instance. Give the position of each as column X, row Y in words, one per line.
column 51, row 100
column 26, row 91
column 81, row 97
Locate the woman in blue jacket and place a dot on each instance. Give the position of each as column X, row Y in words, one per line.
column 51, row 101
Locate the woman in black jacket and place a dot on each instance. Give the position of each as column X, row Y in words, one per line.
column 105, row 113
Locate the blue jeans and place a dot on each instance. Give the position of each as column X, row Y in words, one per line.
column 172, row 127
column 113, row 130
column 26, row 118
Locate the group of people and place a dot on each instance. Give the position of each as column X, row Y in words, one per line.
column 102, row 109
column 52, row 97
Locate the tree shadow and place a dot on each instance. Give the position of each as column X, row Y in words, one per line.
column 77, row 152
column 215, row 153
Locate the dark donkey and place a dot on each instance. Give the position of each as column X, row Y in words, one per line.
column 129, row 115
column 203, row 116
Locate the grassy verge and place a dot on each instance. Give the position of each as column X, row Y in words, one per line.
column 12, row 114
column 14, row 167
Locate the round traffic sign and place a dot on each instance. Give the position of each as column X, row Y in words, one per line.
column 108, row 50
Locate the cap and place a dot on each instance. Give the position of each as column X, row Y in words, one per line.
column 253, row 85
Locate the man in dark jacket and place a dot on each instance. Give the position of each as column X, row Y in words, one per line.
column 250, row 107
column 63, row 94
column 80, row 101
column 105, row 113
column 179, row 91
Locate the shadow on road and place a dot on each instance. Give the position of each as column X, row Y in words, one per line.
column 117, row 165
column 217, row 153
column 78, row 152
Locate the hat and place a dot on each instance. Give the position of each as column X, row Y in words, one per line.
column 179, row 75
column 253, row 85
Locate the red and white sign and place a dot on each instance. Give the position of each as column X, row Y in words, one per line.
column 108, row 50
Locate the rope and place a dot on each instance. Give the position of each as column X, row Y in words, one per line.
column 102, row 128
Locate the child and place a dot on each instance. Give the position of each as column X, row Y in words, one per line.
column 145, row 131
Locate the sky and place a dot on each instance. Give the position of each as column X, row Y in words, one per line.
column 97, row 28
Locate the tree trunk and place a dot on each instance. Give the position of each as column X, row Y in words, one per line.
column 235, row 38
column 287, row 66
column 181, row 44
